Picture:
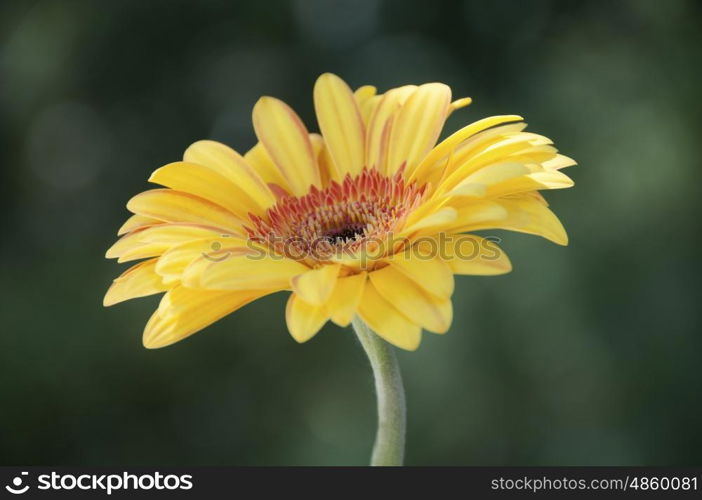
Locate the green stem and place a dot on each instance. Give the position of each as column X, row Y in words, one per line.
column 389, row 447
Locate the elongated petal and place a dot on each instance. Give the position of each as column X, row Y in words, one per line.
column 287, row 142
column 316, row 285
column 304, row 320
column 364, row 93
column 344, row 300
column 494, row 174
column 137, row 281
column 214, row 155
column 262, row 163
column 251, row 271
column 552, row 179
column 144, row 251
column 341, row 124
column 178, row 232
column 432, row 205
column 368, row 108
column 132, row 247
column 413, row 301
column 176, row 206
column 136, row 222
column 508, row 148
column 367, row 100
column 486, row 151
column 185, row 311
column 380, row 125
column 469, row 190
column 428, row 271
column 209, row 184
column 476, row 214
column 538, row 219
column 418, row 126
column 230, row 164
column 166, row 234
column 324, row 162
column 548, row 179
column 468, row 254
column 446, row 147
column 172, row 263
column 125, row 243
column 385, row 320
column 528, row 214
column 560, row 161
column 468, row 214
column 459, row 103
column 432, row 221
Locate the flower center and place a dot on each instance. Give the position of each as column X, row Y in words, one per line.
column 338, row 220
column 347, row 232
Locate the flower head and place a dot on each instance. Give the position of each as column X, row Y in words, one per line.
column 370, row 218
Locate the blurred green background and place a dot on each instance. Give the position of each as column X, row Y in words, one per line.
column 588, row 354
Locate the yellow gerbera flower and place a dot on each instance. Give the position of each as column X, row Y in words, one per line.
column 363, row 219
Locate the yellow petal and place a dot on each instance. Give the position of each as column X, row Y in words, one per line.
column 548, row 179
column 385, row 320
column 552, row 179
column 540, row 220
column 125, row 243
column 411, row 300
column 228, row 163
column 363, row 94
column 150, row 241
column 528, row 214
column 254, row 270
column 484, row 141
column 343, row 302
column 366, row 99
column 136, row 222
column 316, row 285
column 476, row 214
column 380, row 125
column 179, row 232
column 431, row 222
column 166, row 234
column 469, row 254
column 185, row 311
column 173, row 262
column 304, row 320
column 341, row 124
column 538, row 196
column 143, row 251
column 208, row 184
column 287, row 142
column 137, row 281
column 262, row 163
column 446, row 147
column 130, row 247
column 507, row 150
column 494, row 174
column 459, row 103
column 428, row 271
column 324, row 162
column 487, row 149
column 560, row 161
column 468, row 212
column 417, row 126
column 434, row 204
column 470, row 190
column 176, row 206
column 367, row 108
